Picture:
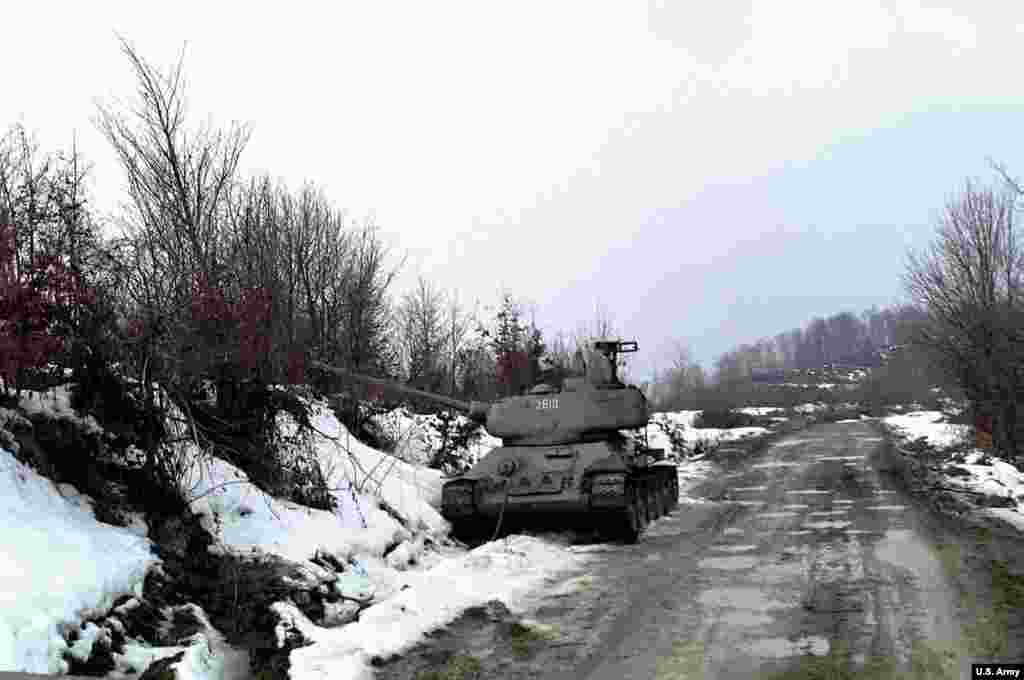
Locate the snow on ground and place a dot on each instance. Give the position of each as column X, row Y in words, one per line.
column 506, row 570
column 681, row 422
column 57, row 566
column 810, row 408
column 206, row 655
column 928, row 424
column 419, row 436
column 974, row 470
column 729, row 435
column 242, row 517
column 991, row 476
column 679, row 418
column 759, row 410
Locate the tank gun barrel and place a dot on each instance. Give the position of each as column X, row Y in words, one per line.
column 474, row 410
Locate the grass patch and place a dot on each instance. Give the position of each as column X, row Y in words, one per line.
column 523, row 636
column 983, row 535
column 584, row 583
column 686, row 662
column 836, row 665
column 1008, row 586
column 932, row 662
column 948, row 555
column 986, row 635
column 927, row 662
column 459, row 667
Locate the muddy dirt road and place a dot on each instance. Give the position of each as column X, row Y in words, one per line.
column 814, row 564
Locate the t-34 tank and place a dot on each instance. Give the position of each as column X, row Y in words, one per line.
column 564, row 461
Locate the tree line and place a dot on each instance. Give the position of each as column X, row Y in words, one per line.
column 845, row 338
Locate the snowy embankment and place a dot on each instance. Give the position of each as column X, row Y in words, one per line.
column 991, row 480
column 418, row 437
column 63, row 567
column 675, row 433
column 57, row 565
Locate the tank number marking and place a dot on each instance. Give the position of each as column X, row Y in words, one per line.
column 547, row 403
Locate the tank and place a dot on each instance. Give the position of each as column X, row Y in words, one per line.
column 564, row 461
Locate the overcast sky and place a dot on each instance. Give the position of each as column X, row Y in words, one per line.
column 713, row 172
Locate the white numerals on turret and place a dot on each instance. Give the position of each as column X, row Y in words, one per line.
column 547, row 403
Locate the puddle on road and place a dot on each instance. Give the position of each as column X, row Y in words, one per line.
column 749, row 488
column 728, row 563
column 734, row 548
column 780, row 648
column 740, row 597
column 740, row 619
column 903, row 548
column 827, row 525
column 777, row 574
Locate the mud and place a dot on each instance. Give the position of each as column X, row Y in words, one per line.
column 836, row 572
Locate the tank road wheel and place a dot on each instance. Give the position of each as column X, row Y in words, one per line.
column 655, row 500
column 645, row 503
column 664, row 495
column 658, row 496
column 630, row 526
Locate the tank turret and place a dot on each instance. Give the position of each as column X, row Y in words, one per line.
column 584, row 409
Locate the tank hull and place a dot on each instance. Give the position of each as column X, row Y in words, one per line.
column 614, row 486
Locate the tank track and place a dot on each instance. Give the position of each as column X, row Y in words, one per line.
column 652, row 492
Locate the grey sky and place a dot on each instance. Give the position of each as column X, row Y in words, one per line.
column 715, row 175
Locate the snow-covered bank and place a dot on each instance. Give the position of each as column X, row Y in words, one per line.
column 418, row 437
column 505, row 570
column 383, row 550
column 58, row 565
column 994, row 485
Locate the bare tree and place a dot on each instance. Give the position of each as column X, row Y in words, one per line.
column 968, row 282
column 178, row 185
column 456, row 325
column 26, row 178
column 422, row 333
